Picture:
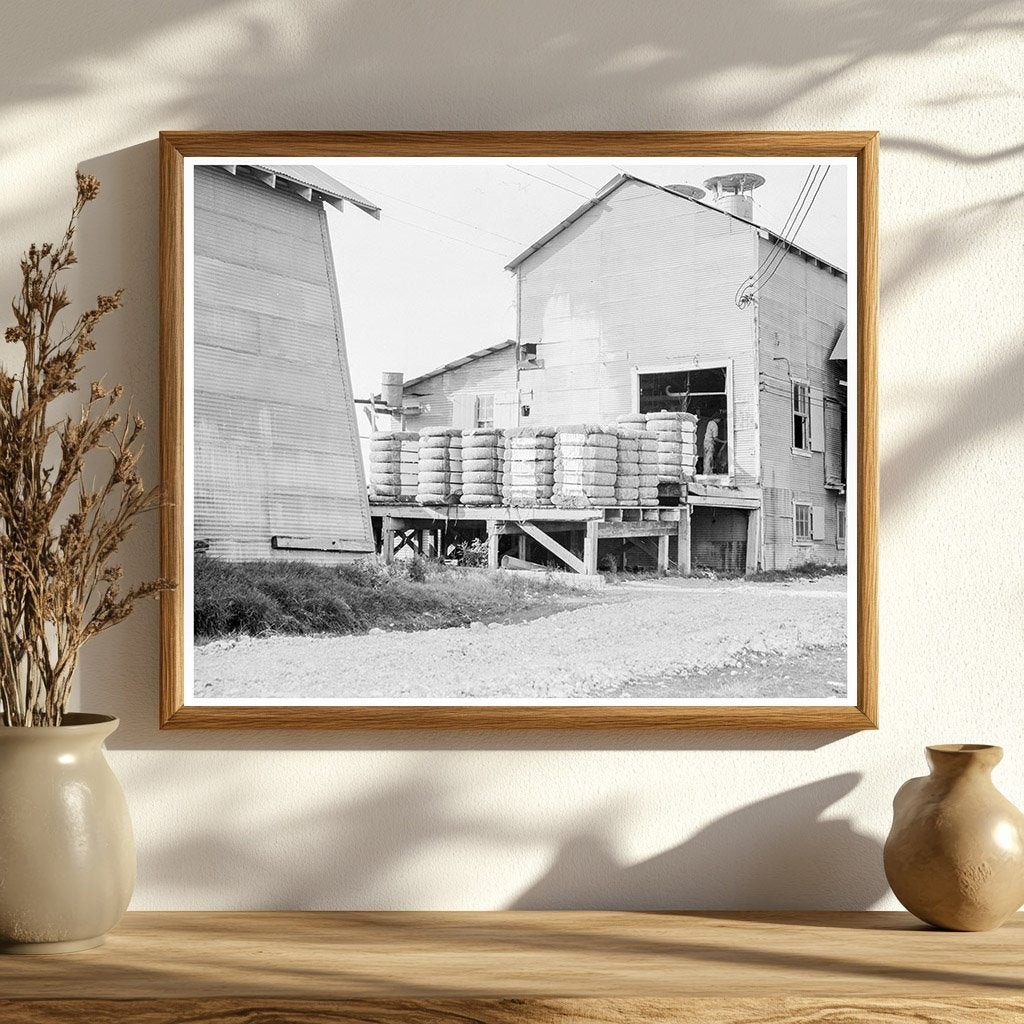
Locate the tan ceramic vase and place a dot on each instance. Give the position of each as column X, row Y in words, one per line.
column 955, row 855
column 67, row 857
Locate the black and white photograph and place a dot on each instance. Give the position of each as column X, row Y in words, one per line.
column 520, row 431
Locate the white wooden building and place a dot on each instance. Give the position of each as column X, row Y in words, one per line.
column 277, row 466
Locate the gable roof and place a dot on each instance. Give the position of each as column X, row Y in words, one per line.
column 621, row 179
column 456, row 363
column 311, row 183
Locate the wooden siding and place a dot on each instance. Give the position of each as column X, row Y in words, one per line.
column 276, row 446
column 644, row 279
column 800, row 313
column 450, row 392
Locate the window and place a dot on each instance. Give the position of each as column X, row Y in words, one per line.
column 801, row 417
column 704, row 392
column 803, row 532
column 841, row 526
column 485, row 411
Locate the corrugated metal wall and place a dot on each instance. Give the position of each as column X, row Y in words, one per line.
column 276, row 446
column 718, row 539
column 493, row 374
column 643, row 279
column 800, row 313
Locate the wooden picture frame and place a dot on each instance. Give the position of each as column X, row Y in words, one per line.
column 177, row 147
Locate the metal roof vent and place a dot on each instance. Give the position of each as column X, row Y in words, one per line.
column 734, row 192
column 690, row 191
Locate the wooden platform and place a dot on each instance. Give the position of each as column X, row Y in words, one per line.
column 425, row 528
column 524, row 968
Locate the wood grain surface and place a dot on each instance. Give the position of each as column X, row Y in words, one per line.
column 233, row 145
column 524, row 966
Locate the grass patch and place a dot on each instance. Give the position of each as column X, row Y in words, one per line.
column 298, row 598
column 803, row 571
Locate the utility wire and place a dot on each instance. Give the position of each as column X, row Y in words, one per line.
column 761, row 277
column 796, row 231
column 554, row 184
column 574, row 177
column 742, row 295
column 437, row 213
column 451, row 238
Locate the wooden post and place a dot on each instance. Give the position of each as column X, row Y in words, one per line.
column 387, row 540
column 590, row 548
column 522, row 547
column 428, row 543
column 753, row 539
column 663, row 554
column 683, row 549
column 493, row 539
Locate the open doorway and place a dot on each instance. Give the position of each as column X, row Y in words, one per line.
column 703, row 392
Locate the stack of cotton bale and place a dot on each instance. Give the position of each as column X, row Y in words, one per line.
column 586, row 465
column 386, row 453
column 438, row 480
column 529, row 469
column 677, row 444
column 410, row 466
column 648, row 458
column 483, row 456
column 627, row 477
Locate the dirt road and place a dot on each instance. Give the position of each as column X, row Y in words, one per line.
column 657, row 639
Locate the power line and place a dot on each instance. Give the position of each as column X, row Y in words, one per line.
column 796, row 231
column 769, row 266
column 575, row 177
column 437, row 213
column 451, row 238
column 553, row 184
column 742, row 295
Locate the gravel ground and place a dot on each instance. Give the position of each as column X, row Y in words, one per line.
column 659, row 638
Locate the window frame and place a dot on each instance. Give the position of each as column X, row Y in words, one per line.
column 800, row 382
column 687, row 366
column 482, row 422
column 809, row 539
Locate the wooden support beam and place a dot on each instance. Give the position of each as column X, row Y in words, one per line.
column 663, row 553
column 387, row 540
column 753, row 539
column 493, row 540
column 521, row 547
column 683, row 558
column 534, row 531
column 649, row 529
column 590, row 543
column 408, row 539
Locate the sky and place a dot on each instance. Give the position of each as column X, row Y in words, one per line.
column 426, row 282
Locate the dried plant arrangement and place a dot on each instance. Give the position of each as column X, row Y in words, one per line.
column 60, row 526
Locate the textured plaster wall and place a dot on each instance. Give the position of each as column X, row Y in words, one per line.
column 505, row 820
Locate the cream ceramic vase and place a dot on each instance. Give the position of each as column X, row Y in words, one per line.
column 955, row 855
column 67, row 856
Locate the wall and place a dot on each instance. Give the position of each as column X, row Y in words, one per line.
column 277, row 447
column 800, row 313
column 566, row 819
column 640, row 280
column 451, row 393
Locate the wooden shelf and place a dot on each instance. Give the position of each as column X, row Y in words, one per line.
column 500, row 968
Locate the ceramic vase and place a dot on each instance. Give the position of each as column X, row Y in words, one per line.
column 67, row 855
column 955, row 855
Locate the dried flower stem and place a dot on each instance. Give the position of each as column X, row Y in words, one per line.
column 58, row 588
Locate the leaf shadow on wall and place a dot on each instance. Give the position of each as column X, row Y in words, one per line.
column 777, row 853
column 402, row 844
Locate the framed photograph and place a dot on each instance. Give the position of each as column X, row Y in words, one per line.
column 519, row 430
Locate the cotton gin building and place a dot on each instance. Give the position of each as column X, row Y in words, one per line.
column 630, row 305
column 277, row 465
